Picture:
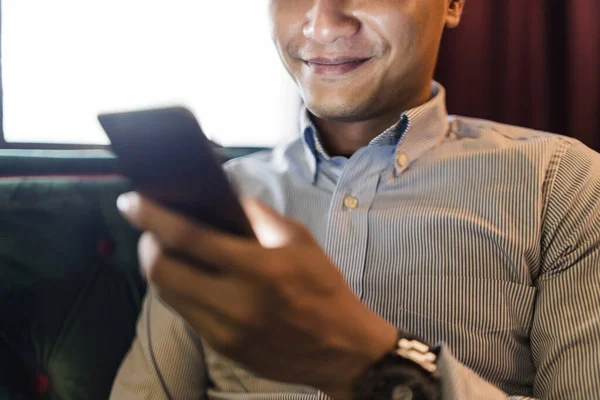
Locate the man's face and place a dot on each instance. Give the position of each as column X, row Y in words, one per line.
column 354, row 60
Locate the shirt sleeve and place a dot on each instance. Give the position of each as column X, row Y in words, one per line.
column 166, row 355
column 565, row 336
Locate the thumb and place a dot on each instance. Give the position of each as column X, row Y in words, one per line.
column 271, row 228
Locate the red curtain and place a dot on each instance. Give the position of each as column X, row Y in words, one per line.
column 533, row 63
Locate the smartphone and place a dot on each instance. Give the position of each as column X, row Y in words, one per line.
column 167, row 158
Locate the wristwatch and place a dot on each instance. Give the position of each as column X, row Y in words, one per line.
column 408, row 372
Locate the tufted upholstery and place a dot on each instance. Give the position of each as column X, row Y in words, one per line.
column 70, row 290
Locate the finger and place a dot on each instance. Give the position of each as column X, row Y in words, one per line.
column 171, row 277
column 223, row 337
column 208, row 246
column 214, row 306
column 212, row 327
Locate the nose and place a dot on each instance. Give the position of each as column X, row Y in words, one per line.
column 330, row 20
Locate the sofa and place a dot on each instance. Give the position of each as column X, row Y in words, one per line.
column 70, row 287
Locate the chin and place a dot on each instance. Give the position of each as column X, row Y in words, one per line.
column 339, row 109
column 333, row 102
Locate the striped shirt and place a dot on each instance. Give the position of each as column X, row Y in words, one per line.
column 480, row 236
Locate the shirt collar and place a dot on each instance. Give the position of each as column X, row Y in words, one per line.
column 417, row 130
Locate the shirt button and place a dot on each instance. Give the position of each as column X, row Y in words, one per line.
column 350, row 202
column 402, row 161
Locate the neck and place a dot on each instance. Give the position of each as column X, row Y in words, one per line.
column 345, row 138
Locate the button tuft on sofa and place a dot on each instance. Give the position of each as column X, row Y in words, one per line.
column 105, row 247
column 40, row 384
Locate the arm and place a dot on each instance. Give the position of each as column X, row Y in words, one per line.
column 565, row 337
column 177, row 352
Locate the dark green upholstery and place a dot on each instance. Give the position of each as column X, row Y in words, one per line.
column 70, row 290
column 67, row 302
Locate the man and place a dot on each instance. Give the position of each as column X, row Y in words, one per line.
column 418, row 255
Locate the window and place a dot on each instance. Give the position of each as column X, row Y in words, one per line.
column 65, row 61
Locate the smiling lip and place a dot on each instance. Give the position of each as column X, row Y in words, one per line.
column 338, row 66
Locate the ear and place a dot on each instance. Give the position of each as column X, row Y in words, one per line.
column 454, row 13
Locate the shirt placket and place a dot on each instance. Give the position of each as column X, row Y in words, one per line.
column 348, row 220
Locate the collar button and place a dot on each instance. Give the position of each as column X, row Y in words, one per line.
column 402, row 161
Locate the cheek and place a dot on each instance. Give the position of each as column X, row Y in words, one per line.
column 412, row 36
column 286, row 19
column 407, row 26
column 398, row 28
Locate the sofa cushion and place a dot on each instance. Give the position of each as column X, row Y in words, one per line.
column 70, row 289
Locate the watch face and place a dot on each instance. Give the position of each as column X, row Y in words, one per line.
column 401, row 392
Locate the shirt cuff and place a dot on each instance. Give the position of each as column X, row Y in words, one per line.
column 462, row 383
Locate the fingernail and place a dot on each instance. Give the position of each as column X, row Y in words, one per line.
column 124, row 202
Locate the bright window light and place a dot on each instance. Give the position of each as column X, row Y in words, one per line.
column 65, row 61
